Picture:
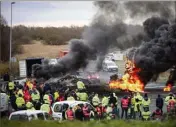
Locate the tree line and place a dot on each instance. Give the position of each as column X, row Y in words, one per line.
column 24, row 35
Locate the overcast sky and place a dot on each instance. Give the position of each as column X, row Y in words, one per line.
column 43, row 13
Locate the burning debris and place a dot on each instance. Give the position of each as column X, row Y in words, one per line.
column 157, row 55
column 130, row 80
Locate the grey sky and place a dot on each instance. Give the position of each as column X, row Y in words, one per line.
column 50, row 13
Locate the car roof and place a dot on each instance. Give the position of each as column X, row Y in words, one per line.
column 28, row 112
column 70, row 102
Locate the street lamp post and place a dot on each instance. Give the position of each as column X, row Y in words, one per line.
column 10, row 50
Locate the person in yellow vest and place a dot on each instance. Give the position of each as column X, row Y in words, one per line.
column 46, row 99
column 36, row 98
column 29, row 85
column 146, row 114
column 46, row 107
column 132, row 106
column 105, row 101
column 70, row 98
column 146, row 101
column 82, row 96
column 56, row 95
column 95, row 100
column 29, row 106
column 11, row 87
column 80, row 86
column 168, row 98
column 20, row 102
column 20, row 91
column 137, row 109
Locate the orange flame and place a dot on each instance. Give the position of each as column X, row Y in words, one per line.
column 167, row 88
column 130, row 80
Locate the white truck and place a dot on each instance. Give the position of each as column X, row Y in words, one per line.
column 25, row 66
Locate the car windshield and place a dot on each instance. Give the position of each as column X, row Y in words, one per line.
column 19, row 117
column 111, row 64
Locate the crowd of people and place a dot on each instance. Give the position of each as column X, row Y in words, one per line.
column 31, row 96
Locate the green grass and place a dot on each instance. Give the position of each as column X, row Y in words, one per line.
column 117, row 123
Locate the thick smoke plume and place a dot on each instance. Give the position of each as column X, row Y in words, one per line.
column 108, row 29
column 97, row 38
column 158, row 54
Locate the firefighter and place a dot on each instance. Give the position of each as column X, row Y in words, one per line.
column 70, row 98
column 159, row 103
column 146, row 102
column 46, row 107
column 105, row 101
column 80, row 86
column 20, row 102
column 29, row 106
column 95, row 100
column 86, row 112
column 146, row 114
column 124, row 106
column 11, row 87
column 69, row 114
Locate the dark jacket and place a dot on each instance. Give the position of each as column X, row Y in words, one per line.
column 79, row 114
column 159, row 102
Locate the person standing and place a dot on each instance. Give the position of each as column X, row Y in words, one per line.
column 20, row 102
column 69, row 114
column 112, row 100
column 79, row 113
column 124, row 106
column 86, row 112
column 95, row 100
column 146, row 102
column 160, row 103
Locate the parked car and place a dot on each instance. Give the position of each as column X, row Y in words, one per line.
column 58, row 107
column 29, row 115
column 4, row 103
column 109, row 66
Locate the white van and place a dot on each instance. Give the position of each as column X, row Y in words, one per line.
column 109, row 66
column 29, row 115
column 58, row 107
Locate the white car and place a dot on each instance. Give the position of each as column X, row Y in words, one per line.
column 4, row 103
column 29, row 115
column 58, row 107
column 53, row 61
column 109, row 66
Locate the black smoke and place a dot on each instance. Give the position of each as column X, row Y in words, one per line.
column 158, row 54
column 165, row 9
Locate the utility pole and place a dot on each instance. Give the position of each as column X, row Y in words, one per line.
column 10, row 49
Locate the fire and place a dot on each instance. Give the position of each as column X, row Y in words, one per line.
column 130, row 80
column 167, row 88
